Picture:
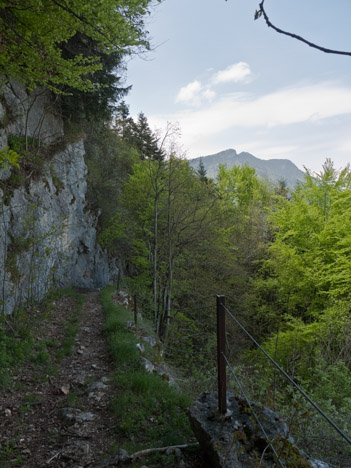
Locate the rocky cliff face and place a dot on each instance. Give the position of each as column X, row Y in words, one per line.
column 47, row 237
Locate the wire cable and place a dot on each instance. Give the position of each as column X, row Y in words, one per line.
column 321, row 412
column 253, row 411
column 181, row 309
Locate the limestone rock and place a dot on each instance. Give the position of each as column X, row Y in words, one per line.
column 121, row 457
column 149, row 367
column 236, row 441
column 75, row 415
column 98, row 386
column 140, row 347
column 48, row 237
column 150, row 340
column 34, row 114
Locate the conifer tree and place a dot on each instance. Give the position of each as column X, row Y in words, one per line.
column 145, row 140
column 201, row 171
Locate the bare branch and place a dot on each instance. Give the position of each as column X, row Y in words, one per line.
column 143, row 453
column 262, row 12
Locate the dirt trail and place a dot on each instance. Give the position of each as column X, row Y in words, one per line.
column 62, row 418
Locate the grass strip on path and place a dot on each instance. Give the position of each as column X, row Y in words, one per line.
column 149, row 412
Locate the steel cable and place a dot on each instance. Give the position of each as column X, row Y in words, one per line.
column 282, row 371
column 253, row 411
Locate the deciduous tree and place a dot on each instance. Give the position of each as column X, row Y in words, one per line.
column 33, row 34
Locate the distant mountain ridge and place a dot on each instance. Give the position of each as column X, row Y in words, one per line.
column 272, row 169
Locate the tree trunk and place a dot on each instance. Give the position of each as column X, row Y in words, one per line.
column 155, row 260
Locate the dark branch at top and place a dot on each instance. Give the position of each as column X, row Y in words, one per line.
column 262, row 12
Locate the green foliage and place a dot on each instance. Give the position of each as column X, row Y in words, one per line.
column 59, row 185
column 8, row 451
column 98, row 104
column 35, row 32
column 18, row 142
column 330, row 385
column 283, row 264
column 145, row 141
column 282, row 188
column 290, row 454
column 302, row 307
column 246, row 199
column 137, row 134
column 184, row 241
column 295, row 348
column 109, row 161
column 17, row 247
column 9, row 158
column 120, row 340
column 201, row 171
column 169, row 212
column 15, row 346
column 242, row 187
column 298, row 347
column 26, row 157
column 8, row 186
column 301, row 274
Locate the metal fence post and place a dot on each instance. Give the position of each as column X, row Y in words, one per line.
column 221, row 363
column 135, row 310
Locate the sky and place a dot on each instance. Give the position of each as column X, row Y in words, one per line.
column 231, row 82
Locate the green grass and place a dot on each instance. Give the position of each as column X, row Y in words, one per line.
column 71, row 328
column 27, row 406
column 149, row 412
column 73, row 399
column 8, row 451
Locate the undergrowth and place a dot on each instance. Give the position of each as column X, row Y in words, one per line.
column 150, row 413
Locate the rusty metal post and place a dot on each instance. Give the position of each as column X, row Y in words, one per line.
column 118, row 279
column 135, row 310
column 221, row 363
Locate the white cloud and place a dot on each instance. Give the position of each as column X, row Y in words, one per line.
column 345, row 146
column 209, row 94
column 241, row 113
column 283, row 107
column 234, row 73
column 190, row 92
column 193, row 93
column 266, row 149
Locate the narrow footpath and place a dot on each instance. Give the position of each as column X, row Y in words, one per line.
column 58, row 415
